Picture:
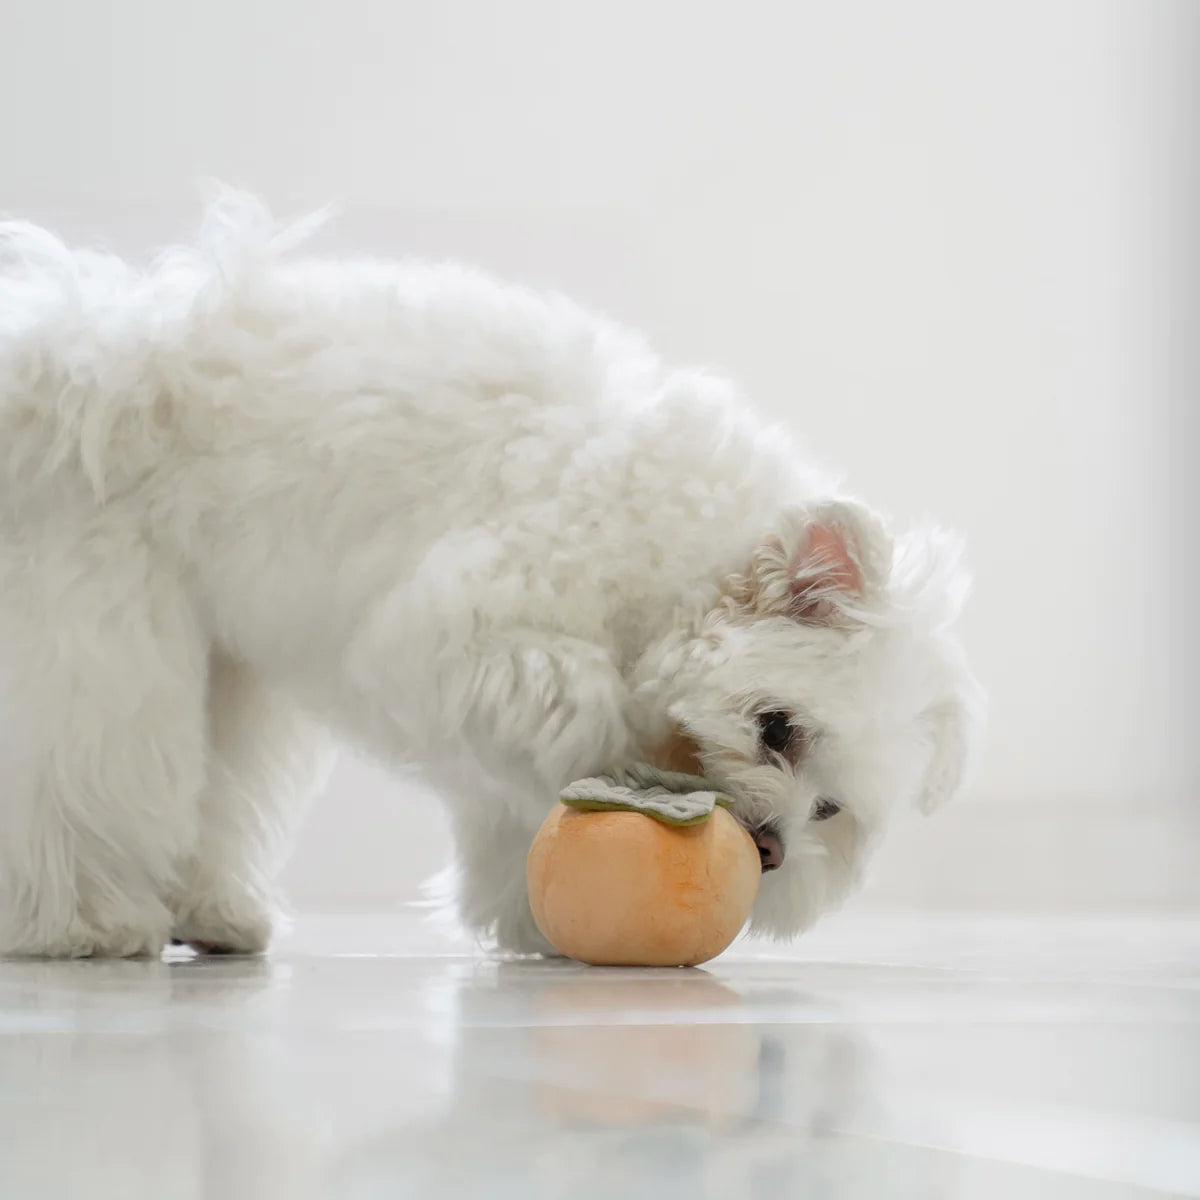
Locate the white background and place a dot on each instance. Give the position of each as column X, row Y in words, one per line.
column 947, row 242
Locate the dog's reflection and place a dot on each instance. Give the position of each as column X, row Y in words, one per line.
column 254, row 1080
column 127, row 1078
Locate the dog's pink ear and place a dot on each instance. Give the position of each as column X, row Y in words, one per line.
column 826, row 568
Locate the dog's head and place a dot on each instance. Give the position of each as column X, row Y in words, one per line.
column 821, row 689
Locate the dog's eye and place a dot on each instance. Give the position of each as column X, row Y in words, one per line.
column 775, row 731
column 825, row 808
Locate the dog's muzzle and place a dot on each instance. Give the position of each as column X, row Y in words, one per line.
column 770, row 847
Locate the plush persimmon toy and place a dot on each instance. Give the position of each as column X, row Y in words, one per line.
column 642, row 868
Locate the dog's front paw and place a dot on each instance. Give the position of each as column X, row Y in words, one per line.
column 516, row 932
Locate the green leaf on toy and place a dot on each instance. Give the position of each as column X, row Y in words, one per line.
column 666, row 796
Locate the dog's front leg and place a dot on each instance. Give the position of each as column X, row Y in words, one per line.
column 556, row 704
column 486, row 884
column 538, row 713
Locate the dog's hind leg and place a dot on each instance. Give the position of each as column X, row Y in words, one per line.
column 102, row 684
column 265, row 761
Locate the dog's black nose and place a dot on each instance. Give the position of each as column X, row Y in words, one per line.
column 770, row 848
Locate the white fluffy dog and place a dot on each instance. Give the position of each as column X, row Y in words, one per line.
column 247, row 497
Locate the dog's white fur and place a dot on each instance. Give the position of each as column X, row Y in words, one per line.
column 246, row 497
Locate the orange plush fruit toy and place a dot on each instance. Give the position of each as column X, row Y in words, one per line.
column 635, row 870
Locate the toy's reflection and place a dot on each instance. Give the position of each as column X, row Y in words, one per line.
column 518, row 1079
column 623, row 1049
column 597, row 1082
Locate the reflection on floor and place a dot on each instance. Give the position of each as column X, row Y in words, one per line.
column 1013, row 1059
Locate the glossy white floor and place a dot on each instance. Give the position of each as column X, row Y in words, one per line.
column 367, row 1058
